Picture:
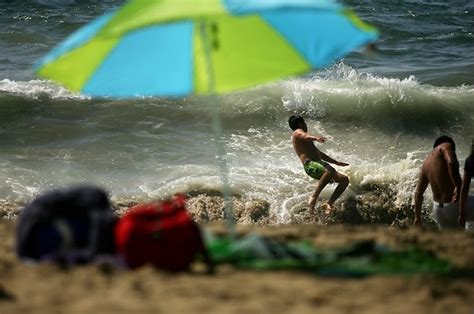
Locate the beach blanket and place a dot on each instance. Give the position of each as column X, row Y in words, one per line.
column 362, row 258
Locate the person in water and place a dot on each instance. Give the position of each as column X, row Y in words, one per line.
column 315, row 163
column 466, row 202
column 441, row 171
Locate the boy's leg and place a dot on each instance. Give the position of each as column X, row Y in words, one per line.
column 342, row 183
column 323, row 181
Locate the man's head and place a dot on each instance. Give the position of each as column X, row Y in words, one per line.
column 297, row 122
column 444, row 139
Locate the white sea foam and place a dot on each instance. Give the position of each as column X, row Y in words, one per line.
column 345, row 91
column 38, row 88
column 151, row 148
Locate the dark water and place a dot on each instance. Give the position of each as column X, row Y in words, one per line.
column 381, row 111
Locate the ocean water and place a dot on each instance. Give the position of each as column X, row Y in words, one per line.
column 380, row 111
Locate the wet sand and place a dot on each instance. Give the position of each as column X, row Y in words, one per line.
column 49, row 289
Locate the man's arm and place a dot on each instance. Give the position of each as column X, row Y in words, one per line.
column 466, row 183
column 332, row 161
column 420, row 190
column 453, row 169
column 305, row 136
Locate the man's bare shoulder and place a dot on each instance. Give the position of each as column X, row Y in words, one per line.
column 443, row 147
column 440, row 151
column 432, row 160
column 298, row 133
column 427, row 162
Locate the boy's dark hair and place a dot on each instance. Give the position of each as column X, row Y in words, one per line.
column 444, row 139
column 294, row 121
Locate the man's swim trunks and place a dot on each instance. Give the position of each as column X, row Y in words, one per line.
column 446, row 215
column 316, row 169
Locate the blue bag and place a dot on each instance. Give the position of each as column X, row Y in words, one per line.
column 66, row 225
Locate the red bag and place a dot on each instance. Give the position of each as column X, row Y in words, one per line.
column 162, row 234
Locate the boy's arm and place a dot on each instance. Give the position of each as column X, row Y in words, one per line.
column 305, row 136
column 453, row 169
column 331, row 160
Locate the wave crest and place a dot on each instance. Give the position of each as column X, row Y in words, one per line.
column 36, row 89
column 344, row 92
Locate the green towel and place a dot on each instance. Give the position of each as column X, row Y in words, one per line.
column 363, row 258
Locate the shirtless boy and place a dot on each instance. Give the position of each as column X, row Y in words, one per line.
column 441, row 171
column 314, row 163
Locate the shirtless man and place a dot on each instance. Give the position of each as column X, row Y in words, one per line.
column 314, row 162
column 441, row 170
column 466, row 202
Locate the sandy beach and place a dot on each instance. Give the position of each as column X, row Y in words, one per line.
column 126, row 100
column 47, row 288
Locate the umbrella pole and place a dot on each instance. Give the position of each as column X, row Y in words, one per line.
column 218, row 133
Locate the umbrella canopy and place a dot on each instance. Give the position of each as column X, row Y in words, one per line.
column 181, row 47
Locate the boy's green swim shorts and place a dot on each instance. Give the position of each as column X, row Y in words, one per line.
column 315, row 169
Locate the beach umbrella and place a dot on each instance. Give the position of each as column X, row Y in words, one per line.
column 203, row 47
column 180, row 47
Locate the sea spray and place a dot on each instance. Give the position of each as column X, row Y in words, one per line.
column 345, row 94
